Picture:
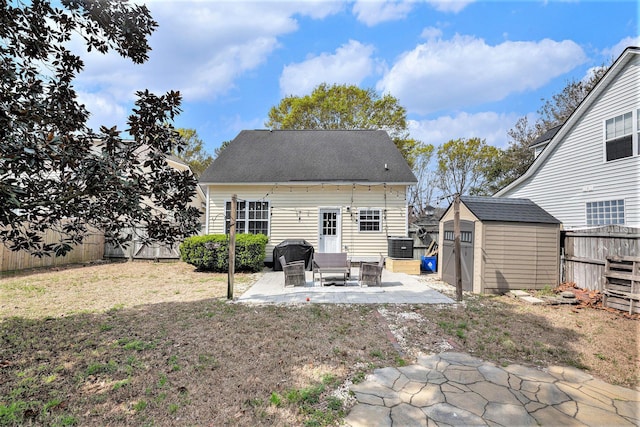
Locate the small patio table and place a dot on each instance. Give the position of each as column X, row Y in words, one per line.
column 333, row 270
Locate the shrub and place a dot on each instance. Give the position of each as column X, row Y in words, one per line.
column 211, row 252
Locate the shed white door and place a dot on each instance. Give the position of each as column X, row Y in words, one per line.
column 329, row 231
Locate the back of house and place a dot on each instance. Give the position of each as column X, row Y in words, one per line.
column 340, row 190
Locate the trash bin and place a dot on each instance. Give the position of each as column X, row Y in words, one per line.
column 293, row 250
column 429, row 264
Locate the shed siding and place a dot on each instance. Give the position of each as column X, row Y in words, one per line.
column 562, row 186
column 519, row 256
column 295, row 209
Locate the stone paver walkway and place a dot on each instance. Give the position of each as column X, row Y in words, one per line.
column 456, row 389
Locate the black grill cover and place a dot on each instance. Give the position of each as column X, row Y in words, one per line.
column 293, row 250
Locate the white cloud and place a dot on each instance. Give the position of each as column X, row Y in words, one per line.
column 375, row 12
column 350, row 64
column 431, row 33
column 105, row 111
column 465, row 71
column 615, row 51
column 453, row 6
column 199, row 49
column 488, row 125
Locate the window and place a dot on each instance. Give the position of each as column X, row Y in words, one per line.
column 251, row 217
column 370, row 219
column 605, row 212
column 465, row 236
column 619, row 137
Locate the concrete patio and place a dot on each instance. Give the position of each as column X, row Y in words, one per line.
column 396, row 288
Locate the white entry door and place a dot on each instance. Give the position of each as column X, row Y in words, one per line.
column 329, row 231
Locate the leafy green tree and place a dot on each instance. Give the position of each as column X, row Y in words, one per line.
column 462, row 166
column 346, row 107
column 193, row 151
column 55, row 173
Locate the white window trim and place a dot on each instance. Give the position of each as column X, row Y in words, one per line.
column 246, row 219
column 635, row 134
column 624, row 211
column 380, row 214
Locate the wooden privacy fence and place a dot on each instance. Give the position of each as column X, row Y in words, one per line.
column 585, row 253
column 141, row 250
column 91, row 249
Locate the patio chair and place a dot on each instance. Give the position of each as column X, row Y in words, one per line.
column 293, row 272
column 371, row 273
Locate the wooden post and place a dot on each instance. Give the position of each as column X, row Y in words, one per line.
column 456, row 246
column 232, row 245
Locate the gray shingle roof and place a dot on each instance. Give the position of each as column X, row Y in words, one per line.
column 507, row 210
column 546, row 136
column 277, row 156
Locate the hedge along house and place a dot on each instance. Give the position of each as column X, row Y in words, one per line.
column 505, row 244
column 340, row 190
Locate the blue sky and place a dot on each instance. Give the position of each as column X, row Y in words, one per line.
column 461, row 68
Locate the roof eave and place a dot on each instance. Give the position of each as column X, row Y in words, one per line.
column 307, row 183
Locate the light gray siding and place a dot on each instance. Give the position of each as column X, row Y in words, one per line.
column 576, row 171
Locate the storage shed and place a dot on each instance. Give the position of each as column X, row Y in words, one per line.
column 505, row 244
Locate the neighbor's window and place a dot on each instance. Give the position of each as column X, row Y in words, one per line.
column 605, row 212
column 370, row 219
column 619, row 137
column 251, row 217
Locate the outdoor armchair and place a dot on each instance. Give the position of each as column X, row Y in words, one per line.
column 371, row 273
column 293, row 272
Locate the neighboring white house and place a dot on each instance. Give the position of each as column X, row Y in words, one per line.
column 340, row 190
column 588, row 172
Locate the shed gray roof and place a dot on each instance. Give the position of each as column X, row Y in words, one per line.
column 277, row 156
column 507, row 210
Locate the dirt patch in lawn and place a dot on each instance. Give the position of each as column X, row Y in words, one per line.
column 144, row 343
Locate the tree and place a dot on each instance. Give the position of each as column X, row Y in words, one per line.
column 55, row 173
column 462, row 166
column 514, row 161
column 556, row 111
column 193, row 151
column 346, row 107
column 219, row 150
column 421, row 194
